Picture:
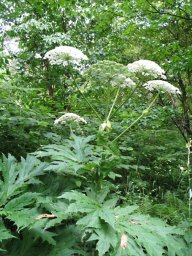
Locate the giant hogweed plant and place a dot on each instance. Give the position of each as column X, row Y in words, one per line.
column 84, row 205
column 109, row 85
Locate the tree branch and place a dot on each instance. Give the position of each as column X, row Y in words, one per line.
column 166, row 13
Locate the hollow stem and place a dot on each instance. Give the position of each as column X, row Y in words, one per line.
column 111, row 109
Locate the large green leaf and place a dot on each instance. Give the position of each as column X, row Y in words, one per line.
column 16, row 210
column 4, row 233
column 106, row 223
column 70, row 157
column 151, row 234
column 44, row 235
column 15, row 175
column 106, row 237
column 81, row 203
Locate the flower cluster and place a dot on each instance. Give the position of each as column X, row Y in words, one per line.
column 162, row 86
column 11, row 46
column 147, row 68
column 65, row 55
column 69, row 118
column 122, row 81
column 107, row 72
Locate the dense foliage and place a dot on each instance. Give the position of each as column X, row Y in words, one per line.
column 95, row 127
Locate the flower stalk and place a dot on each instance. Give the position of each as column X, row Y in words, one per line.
column 111, row 109
column 87, row 101
column 143, row 113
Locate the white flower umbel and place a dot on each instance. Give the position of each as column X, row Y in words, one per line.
column 65, row 55
column 128, row 83
column 161, row 86
column 147, row 68
column 104, row 73
column 69, row 118
column 122, row 81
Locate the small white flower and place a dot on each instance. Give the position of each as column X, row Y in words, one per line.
column 162, row 86
column 64, row 55
column 122, row 81
column 69, row 118
column 11, row 46
column 128, row 83
column 105, row 126
column 163, row 77
column 19, row 103
column 147, row 68
column 37, row 56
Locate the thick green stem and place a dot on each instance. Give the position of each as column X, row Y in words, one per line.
column 107, row 99
column 143, row 113
column 71, row 130
column 116, row 96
